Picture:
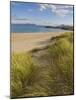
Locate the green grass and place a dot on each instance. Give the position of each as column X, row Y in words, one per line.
column 62, row 59
column 22, row 67
column 47, row 75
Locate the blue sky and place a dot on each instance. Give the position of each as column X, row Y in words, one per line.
column 41, row 14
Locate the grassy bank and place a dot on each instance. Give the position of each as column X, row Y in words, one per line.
column 45, row 72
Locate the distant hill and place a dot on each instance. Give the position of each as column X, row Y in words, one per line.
column 65, row 27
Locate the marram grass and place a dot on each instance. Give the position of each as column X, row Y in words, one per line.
column 22, row 67
column 49, row 74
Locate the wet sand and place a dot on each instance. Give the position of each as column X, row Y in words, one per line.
column 23, row 42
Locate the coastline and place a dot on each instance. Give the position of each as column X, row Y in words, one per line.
column 23, row 42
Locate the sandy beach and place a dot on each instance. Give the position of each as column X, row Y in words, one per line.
column 23, row 42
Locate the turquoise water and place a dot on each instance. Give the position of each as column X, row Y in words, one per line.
column 23, row 28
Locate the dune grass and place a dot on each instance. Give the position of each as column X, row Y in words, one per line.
column 22, row 67
column 62, row 59
column 50, row 74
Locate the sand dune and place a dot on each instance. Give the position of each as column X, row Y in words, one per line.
column 23, row 42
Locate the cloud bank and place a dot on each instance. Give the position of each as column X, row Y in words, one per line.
column 17, row 20
column 60, row 10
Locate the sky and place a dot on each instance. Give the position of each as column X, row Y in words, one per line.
column 41, row 14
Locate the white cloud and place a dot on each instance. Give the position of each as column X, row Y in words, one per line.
column 20, row 21
column 53, row 7
column 60, row 10
column 16, row 20
column 42, row 7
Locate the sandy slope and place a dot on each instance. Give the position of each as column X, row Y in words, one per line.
column 22, row 42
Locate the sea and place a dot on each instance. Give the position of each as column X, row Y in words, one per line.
column 30, row 28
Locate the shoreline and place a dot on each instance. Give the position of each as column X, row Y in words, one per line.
column 27, row 41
